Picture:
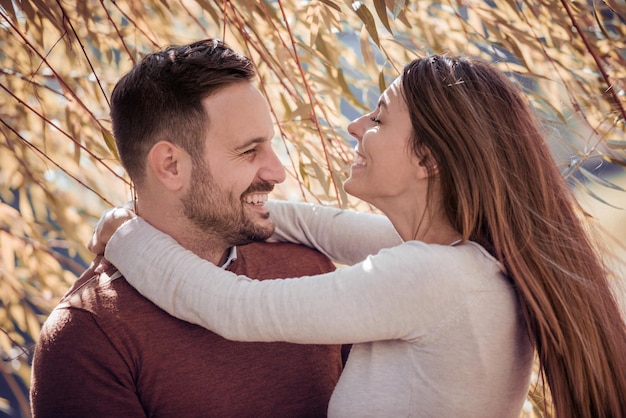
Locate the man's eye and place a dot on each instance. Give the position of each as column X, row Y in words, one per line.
column 249, row 151
column 375, row 119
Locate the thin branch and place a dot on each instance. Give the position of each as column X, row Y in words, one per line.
column 56, row 75
column 247, row 43
column 9, row 378
column 49, row 122
column 127, row 17
column 74, row 267
column 597, row 60
column 119, row 34
column 45, row 156
column 66, row 88
column 574, row 102
column 294, row 55
column 24, row 351
column 266, row 56
column 311, row 100
column 224, row 3
column 195, row 19
column 29, row 80
column 271, row 60
column 93, row 71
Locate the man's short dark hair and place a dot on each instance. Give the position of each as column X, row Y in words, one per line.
column 161, row 99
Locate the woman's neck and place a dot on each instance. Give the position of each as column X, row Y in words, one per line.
column 429, row 226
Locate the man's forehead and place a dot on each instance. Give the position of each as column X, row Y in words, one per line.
column 239, row 115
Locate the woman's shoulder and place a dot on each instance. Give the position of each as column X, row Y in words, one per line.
column 456, row 262
column 467, row 251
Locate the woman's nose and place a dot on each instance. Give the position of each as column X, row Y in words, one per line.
column 355, row 128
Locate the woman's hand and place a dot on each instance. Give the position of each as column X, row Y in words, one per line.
column 107, row 225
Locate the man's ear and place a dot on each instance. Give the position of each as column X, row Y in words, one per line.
column 169, row 164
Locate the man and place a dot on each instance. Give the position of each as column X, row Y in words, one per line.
column 194, row 135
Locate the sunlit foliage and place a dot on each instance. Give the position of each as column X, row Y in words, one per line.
column 320, row 63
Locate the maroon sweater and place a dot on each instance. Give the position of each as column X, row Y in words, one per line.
column 106, row 351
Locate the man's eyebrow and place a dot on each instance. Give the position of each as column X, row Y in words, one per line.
column 382, row 103
column 246, row 144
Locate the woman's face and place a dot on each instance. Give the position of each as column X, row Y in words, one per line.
column 385, row 170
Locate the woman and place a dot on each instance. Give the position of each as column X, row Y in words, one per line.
column 494, row 262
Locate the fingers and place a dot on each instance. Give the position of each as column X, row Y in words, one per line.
column 130, row 205
column 106, row 227
column 103, row 265
column 94, row 245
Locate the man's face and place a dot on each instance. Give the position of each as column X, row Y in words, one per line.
column 238, row 170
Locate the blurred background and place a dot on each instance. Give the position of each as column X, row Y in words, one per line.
column 321, row 63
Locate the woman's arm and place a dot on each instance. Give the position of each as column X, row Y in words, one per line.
column 377, row 299
column 345, row 236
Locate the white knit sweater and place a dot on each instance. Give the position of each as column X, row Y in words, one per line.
column 436, row 329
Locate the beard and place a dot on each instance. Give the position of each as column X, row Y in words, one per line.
column 219, row 213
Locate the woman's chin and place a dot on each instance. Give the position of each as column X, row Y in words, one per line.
column 351, row 187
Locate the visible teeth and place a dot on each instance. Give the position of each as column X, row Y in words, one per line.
column 360, row 161
column 256, row 198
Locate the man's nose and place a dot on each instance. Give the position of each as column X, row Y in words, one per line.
column 272, row 170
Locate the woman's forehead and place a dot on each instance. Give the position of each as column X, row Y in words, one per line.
column 393, row 96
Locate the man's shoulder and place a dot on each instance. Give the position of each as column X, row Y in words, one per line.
column 261, row 260
column 102, row 302
column 96, row 292
column 97, row 298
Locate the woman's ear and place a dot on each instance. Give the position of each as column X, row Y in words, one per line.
column 427, row 162
column 169, row 164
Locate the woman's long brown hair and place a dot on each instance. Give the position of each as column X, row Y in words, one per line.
column 502, row 189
